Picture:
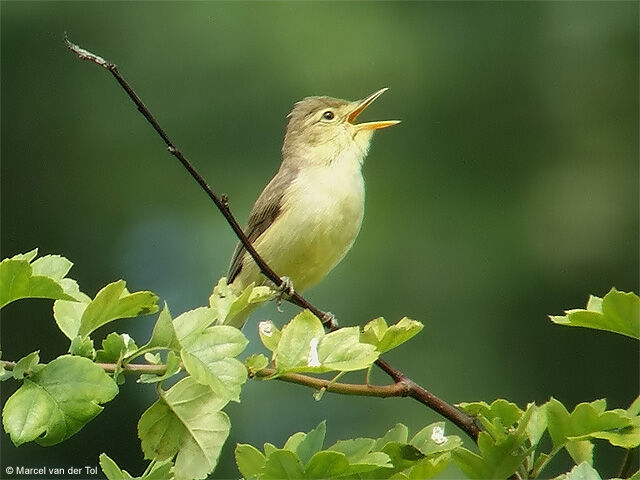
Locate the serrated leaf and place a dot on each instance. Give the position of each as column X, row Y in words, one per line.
column 256, row 362
column 498, row 458
column 83, row 347
column 249, row 459
column 114, row 302
column 373, row 331
column 18, row 281
column 312, row 442
column 209, row 359
column 26, row 364
column 580, row 451
column 57, row 401
column 583, row 471
column 116, row 347
column 326, row 464
column 172, row 365
column 29, row 256
column 586, row 420
column 617, row 312
column 508, row 413
column 186, row 422
column 386, row 338
column 304, row 347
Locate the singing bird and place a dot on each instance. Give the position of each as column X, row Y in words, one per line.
column 308, row 216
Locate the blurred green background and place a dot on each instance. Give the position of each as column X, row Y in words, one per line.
column 509, row 192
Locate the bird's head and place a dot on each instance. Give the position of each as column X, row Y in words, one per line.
column 322, row 130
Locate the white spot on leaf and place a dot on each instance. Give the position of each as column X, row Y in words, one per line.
column 313, row 360
column 266, row 328
column 438, row 435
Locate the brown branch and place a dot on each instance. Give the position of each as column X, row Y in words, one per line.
column 406, row 385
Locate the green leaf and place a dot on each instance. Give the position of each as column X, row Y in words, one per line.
column 114, row 302
column 508, row 413
column 256, row 362
column 583, row 471
column 17, row 280
column 431, row 440
column 250, row 460
column 209, row 359
column 227, row 303
column 294, row 346
column 312, row 442
column 160, row 471
column 269, row 335
column 355, row 449
column 26, row 364
column 111, row 469
column 164, row 334
column 430, row 467
column 29, row 256
column 83, row 347
column 538, row 423
column 116, row 347
column 304, row 347
column 499, row 457
column 341, row 350
column 191, row 324
column 385, row 338
column 186, row 422
column 282, row 464
column 399, row 433
column 52, row 266
column 68, row 315
column 588, row 420
column 57, row 401
column 326, row 464
column 617, row 312
column 402, row 455
column 173, row 367
column 634, row 409
column 293, row 441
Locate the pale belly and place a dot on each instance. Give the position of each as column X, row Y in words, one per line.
column 319, row 221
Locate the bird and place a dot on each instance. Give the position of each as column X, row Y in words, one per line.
column 308, row 216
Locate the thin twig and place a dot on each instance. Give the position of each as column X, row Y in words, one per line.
column 406, row 385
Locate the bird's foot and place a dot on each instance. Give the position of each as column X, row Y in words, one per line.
column 330, row 321
column 284, row 290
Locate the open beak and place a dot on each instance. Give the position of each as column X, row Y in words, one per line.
column 361, row 106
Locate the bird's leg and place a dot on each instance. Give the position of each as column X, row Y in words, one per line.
column 284, row 290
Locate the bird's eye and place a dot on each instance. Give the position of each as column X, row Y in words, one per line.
column 328, row 115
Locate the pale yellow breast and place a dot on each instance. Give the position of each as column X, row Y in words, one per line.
column 320, row 218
